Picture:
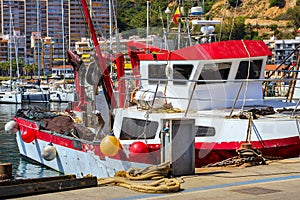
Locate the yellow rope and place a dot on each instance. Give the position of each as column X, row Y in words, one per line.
column 163, row 185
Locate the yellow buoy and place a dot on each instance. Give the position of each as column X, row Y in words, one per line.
column 109, row 145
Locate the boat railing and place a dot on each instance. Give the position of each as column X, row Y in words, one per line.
column 270, row 92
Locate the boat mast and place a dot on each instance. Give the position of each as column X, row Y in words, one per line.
column 63, row 37
column 13, row 37
column 107, row 83
column 10, row 47
column 147, row 42
column 110, row 25
column 116, row 27
column 38, row 32
column 110, row 31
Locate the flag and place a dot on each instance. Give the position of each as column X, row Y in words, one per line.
column 176, row 16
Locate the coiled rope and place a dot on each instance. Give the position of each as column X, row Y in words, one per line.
column 245, row 155
column 160, row 173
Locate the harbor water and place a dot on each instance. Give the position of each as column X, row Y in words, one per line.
column 22, row 168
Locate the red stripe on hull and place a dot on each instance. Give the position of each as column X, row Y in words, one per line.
column 207, row 153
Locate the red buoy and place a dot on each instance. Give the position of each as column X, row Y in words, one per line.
column 138, row 147
column 28, row 136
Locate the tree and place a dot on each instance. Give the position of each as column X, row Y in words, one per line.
column 295, row 14
column 238, row 29
column 234, row 3
column 30, row 69
column 5, row 66
column 132, row 14
column 278, row 3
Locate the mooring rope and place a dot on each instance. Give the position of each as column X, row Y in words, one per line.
column 164, row 184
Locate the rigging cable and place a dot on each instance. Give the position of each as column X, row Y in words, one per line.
column 16, row 45
column 232, row 24
column 248, row 74
column 221, row 26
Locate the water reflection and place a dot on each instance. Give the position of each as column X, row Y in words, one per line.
column 9, row 152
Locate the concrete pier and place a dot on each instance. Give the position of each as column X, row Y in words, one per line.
column 276, row 180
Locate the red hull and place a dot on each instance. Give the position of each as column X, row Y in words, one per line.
column 205, row 153
column 205, row 157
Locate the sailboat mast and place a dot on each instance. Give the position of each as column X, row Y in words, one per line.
column 63, row 35
column 10, row 47
column 38, row 32
column 110, row 24
column 147, row 42
column 110, row 31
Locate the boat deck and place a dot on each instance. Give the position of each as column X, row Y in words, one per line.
column 277, row 180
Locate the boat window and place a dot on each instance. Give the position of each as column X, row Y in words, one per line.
column 214, row 71
column 203, row 131
column 254, row 72
column 182, row 72
column 156, row 72
column 133, row 129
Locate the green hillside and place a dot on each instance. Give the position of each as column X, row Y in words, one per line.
column 251, row 19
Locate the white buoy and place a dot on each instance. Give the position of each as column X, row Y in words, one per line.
column 11, row 127
column 49, row 152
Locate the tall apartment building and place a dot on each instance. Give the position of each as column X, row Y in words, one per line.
column 281, row 49
column 58, row 22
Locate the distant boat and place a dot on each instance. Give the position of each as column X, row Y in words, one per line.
column 35, row 94
column 60, row 92
column 10, row 96
column 9, row 92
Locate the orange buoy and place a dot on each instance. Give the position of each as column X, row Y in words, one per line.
column 28, row 136
column 110, row 145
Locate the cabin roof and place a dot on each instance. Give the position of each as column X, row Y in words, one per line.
column 216, row 50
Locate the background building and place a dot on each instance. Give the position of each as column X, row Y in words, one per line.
column 281, row 49
column 47, row 28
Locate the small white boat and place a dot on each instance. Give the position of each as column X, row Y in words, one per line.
column 62, row 93
column 10, row 97
column 34, row 94
column 10, row 94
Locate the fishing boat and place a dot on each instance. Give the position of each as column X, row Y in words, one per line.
column 196, row 105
